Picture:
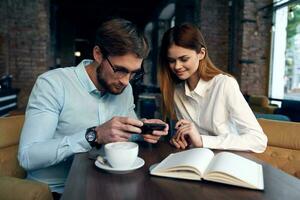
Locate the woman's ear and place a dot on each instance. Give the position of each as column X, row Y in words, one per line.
column 97, row 54
column 202, row 53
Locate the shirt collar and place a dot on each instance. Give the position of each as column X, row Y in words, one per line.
column 84, row 77
column 200, row 89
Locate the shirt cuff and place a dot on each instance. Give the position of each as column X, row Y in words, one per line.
column 209, row 141
column 78, row 143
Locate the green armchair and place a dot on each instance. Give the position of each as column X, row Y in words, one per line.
column 13, row 186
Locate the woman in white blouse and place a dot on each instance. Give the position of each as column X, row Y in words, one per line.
column 210, row 109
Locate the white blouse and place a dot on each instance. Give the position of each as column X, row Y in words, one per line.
column 221, row 114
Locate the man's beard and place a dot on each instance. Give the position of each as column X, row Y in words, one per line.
column 103, row 83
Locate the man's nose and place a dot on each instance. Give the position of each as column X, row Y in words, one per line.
column 125, row 79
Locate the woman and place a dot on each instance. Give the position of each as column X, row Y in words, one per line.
column 211, row 110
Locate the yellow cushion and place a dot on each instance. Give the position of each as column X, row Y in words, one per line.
column 282, row 134
column 9, row 139
column 9, row 164
column 12, row 188
column 283, row 150
column 15, row 189
column 10, row 130
column 285, row 159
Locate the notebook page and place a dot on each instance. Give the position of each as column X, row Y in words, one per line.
column 238, row 167
column 198, row 158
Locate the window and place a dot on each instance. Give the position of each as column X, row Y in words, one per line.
column 285, row 62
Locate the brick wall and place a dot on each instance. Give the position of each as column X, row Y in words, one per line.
column 255, row 56
column 214, row 27
column 252, row 55
column 24, row 42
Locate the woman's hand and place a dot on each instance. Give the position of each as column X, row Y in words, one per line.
column 186, row 135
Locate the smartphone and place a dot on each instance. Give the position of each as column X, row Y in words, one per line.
column 149, row 127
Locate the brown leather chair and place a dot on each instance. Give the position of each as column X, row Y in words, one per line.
column 283, row 150
column 13, row 186
column 261, row 104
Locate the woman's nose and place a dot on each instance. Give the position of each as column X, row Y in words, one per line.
column 177, row 65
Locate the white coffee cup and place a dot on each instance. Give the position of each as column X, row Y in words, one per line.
column 121, row 155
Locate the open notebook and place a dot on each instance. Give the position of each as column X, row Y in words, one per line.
column 201, row 163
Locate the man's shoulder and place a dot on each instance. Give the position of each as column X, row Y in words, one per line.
column 56, row 78
column 57, row 74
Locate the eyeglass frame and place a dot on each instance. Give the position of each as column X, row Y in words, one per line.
column 122, row 72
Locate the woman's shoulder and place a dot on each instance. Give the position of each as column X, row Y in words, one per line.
column 224, row 79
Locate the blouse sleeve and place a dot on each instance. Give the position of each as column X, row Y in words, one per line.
column 250, row 135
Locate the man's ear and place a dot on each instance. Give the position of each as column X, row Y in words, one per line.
column 202, row 53
column 97, row 54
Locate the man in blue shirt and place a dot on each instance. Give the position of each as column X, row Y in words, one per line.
column 68, row 105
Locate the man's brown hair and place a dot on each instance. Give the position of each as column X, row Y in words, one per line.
column 117, row 37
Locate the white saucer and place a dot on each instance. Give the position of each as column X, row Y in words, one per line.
column 137, row 164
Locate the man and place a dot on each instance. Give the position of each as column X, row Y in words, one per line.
column 71, row 109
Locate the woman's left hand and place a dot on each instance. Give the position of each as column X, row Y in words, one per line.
column 187, row 134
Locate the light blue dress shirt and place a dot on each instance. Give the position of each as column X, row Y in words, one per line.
column 63, row 104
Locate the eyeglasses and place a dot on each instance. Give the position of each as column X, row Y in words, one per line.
column 121, row 72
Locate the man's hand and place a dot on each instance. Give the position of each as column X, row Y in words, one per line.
column 117, row 129
column 155, row 135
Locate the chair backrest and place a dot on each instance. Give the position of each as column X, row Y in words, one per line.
column 10, row 129
column 283, row 150
column 258, row 100
column 261, row 104
column 282, row 133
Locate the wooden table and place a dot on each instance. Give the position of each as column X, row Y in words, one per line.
column 86, row 181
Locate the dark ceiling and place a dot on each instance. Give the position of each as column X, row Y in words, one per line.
column 86, row 15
